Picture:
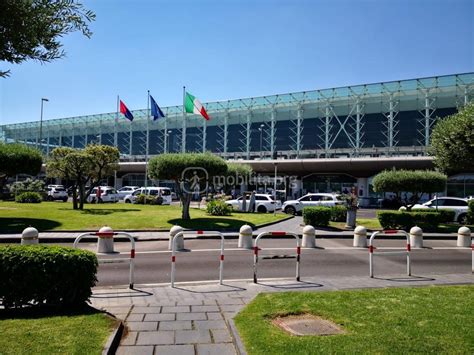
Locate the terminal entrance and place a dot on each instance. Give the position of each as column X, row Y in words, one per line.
column 340, row 183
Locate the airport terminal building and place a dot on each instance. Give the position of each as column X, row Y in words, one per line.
column 329, row 139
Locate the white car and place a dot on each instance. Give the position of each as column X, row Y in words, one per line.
column 263, row 203
column 126, row 190
column 164, row 192
column 107, row 194
column 316, row 199
column 56, row 192
column 458, row 205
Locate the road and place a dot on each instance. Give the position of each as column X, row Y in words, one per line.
column 334, row 257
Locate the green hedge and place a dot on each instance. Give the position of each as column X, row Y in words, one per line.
column 28, row 197
column 446, row 216
column 52, row 275
column 317, row 216
column 470, row 212
column 218, row 208
column 338, row 213
column 406, row 220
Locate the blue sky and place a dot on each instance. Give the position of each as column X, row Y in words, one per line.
column 231, row 49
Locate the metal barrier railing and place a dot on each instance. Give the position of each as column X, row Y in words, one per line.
column 255, row 254
column 130, row 260
column 405, row 252
column 199, row 233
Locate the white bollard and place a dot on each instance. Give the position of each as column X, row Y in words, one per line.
column 464, row 237
column 29, row 236
column 245, row 237
column 309, row 237
column 416, row 237
column 179, row 240
column 105, row 244
column 360, row 237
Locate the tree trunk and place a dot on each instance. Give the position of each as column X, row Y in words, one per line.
column 81, row 196
column 186, row 203
column 74, row 197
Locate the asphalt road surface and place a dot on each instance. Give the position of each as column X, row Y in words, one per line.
column 334, row 257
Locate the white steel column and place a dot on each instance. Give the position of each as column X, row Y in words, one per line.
column 72, row 135
column 272, row 132
column 466, row 96
column 299, row 129
column 47, row 144
column 204, row 136
column 427, row 120
column 358, row 126
column 326, row 131
column 249, row 127
column 130, row 139
column 165, row 135
column 226, row 126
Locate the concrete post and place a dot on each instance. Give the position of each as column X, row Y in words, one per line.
column 416, row 237
column 464, row 237
column 179, row 241
column 29, row 236
column 245, row 237
column 309, row 237
column 360, row 237
column 105, row 244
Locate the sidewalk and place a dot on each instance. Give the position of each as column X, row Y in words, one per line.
column 196, row 318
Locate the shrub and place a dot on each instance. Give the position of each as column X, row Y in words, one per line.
column 406, row 220
column 28, row 197
column 150, row 200
column 218, row 208
column 445, row 216
column 470, row 212
column 52, row 275
column 338, row 213
column 317, row 216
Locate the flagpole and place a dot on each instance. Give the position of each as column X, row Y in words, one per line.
column 116, row 123
column 183, row 135
column 147, row 140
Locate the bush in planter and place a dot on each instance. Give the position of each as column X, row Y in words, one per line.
column 338, row 213
column 218, row 208
column 51, row 275
column 150, row 200
column 470, row 212
column 317, row 216
column 29, row 197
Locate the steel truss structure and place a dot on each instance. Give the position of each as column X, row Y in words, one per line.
column 350, row 121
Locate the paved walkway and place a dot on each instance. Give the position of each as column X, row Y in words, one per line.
column 196, row 318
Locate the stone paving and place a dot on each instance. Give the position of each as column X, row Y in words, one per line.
column 196, row 318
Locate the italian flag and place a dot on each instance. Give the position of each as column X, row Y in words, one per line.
column 193, row 105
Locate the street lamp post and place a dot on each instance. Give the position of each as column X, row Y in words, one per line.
column 41, row 121
column 261, row 137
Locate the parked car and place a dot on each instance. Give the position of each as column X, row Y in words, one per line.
column 458, row 205
column 314, row 199
column 164, row 192
column 126, row 190
column 263, row 203
column 107, row 194
column 56, row 192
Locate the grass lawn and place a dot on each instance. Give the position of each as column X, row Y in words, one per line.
column 54, row 334
column 435, row 319
column 55, row 216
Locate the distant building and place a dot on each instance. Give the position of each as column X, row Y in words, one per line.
column 328, row 140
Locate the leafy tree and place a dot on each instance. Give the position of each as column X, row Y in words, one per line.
column 415, row 182
column 87, row 167
column 31, row 29
column 235, row 175
column 18, row 159
column 188, row 170
column 452, row 142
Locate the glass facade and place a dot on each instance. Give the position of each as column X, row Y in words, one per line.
column 392, row 118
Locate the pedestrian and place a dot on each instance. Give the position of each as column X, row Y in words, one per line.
column 252, row 202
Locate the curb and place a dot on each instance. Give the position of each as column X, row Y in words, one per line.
column 239, row 345
column 113, row 342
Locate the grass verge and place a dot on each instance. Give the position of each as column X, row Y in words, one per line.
column 56, row 216
column 27, row 333
column 435, row 319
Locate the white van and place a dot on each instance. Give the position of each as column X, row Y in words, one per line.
column 164, row 192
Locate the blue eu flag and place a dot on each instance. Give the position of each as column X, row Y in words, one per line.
column 155, row 109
